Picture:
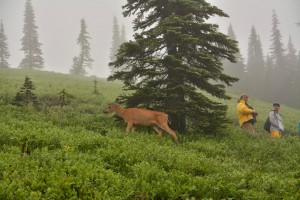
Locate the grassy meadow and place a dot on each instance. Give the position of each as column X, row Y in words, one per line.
column 80, row 153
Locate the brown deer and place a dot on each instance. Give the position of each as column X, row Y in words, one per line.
column 139, row 116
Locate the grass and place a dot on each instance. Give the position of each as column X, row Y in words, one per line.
column 88, row 156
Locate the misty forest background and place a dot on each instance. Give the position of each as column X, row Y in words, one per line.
column 269, row 75
column 141, row 63
column 56, row 143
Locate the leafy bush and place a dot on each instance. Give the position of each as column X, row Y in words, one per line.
column 89, row 157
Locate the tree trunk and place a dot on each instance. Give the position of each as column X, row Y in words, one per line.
column 176, row 103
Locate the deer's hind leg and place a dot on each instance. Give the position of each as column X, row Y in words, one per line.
column 166, row 128
column 158, row 130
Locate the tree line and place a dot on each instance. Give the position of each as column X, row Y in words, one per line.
column 33, row 55
column 273, row 76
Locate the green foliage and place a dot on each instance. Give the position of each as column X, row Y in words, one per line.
column 90, row 158
column 25, row 95
column 174, row 59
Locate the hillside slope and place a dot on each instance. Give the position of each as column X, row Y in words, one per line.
column 80, row 153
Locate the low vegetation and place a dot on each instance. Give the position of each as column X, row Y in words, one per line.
column 86, row 155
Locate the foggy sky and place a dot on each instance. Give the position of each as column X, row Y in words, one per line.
column 245, row 13
column 58, row 24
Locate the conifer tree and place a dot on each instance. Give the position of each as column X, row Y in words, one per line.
column 25, row 96
column 30, row 45
column 292, row 78
column 238, row 68
column 255, row 64
column 291, row 56
column 118, row 38
column 123, row 35
column 298, row 79
column 175, row 60
column 84, row 60
column 115, row 42
column 267, row 87
column 269, row 65
column 277, row 48
column 4, row 53
column 232, row 35
column 277, row 54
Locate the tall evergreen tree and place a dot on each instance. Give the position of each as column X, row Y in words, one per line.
column 291, row 56
column 118, row 38
column 232, row 35
column 298, row 73
column 268, row 84
column 255, row 64
column 238, row 68
column 278, row 74
column 30, row 45
column 84, row 60
column 291, row 82
column 298, row 80
column 277, row 54
column 115, row 42
column 277, row 48
column 123, row 35
column 4, row 53
column 175, row 60
column 269, row 65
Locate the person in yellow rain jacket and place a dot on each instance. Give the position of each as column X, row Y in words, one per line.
column 247, row 115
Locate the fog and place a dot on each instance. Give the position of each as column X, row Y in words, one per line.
column 58, row 23
column 245, row 13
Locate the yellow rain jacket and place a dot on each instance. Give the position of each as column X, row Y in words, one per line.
column 244, row 113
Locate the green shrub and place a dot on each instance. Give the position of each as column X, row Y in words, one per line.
column 89, row 156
